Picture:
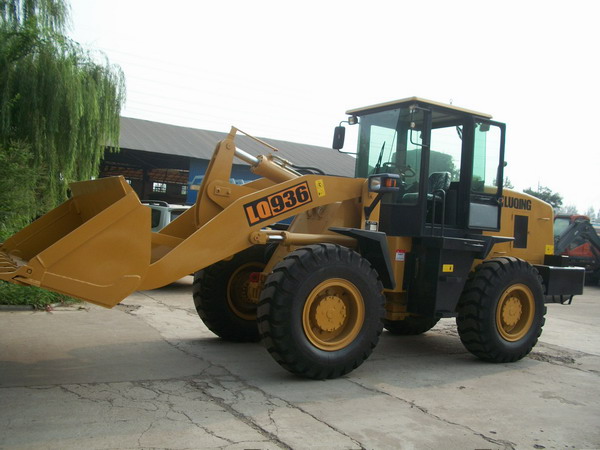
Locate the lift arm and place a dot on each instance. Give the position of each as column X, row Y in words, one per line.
column 97, row 246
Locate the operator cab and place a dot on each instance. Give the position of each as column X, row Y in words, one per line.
column 449, row 161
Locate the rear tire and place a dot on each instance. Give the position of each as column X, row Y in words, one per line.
column 501, row 312
column 320, row 313
column 411, row 326
column 220, row 295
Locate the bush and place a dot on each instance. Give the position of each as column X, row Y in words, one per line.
column 13, row 294
column 19, row 205
column 18, row 181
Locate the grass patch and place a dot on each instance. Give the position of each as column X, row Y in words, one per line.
column 13, row 294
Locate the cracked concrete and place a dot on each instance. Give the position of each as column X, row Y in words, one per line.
column 148, row 374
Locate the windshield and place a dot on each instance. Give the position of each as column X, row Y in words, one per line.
column 390, row 142
column 560, row 225
column 387, row 141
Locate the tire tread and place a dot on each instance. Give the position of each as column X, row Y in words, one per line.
column 275, row 303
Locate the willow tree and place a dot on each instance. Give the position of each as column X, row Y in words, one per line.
column 59, row 104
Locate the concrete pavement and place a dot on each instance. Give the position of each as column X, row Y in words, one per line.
column 148, row 374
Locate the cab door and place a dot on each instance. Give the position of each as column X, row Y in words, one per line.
column 487, row 175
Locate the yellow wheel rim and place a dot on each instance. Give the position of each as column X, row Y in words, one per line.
column 515, row 312
column 237, row 291
column 333, row 314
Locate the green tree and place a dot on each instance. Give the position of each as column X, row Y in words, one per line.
column 18, row 181
column 546, row 194
column 591, row 213
column 571, row 210
column 57, row 103
column 58, row 110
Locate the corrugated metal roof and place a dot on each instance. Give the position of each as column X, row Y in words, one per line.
column 156, row 137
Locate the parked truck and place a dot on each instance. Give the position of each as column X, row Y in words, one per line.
column 424, row 231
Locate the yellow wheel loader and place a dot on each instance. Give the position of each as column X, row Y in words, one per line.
column 424, row 231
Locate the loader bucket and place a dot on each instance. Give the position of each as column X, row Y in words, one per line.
column 95, row 246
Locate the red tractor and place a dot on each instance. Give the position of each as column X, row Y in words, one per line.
column 576, row 237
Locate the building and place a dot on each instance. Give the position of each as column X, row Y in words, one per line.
column 162, row 161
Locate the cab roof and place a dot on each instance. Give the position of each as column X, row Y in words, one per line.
column 411, row 100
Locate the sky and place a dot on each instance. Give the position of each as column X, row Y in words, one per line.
column 289, row 70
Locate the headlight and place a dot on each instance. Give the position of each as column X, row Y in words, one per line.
column 374, row 184
column 384, row 182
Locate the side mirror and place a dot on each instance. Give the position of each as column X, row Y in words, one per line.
column 338, row 138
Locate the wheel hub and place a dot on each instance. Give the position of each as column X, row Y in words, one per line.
column 511, row 312
column 238, row 291
column 331, row 313
column 515, row 312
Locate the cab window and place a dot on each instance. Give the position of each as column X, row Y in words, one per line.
column 486, row 159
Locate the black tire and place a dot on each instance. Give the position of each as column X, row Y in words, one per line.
column 411, row 326
column 501, row 311
column 320, row 312
column 220, row 295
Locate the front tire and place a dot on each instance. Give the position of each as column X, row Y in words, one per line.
column 320, row 312
column 501, row 312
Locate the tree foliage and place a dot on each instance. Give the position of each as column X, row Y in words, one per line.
column 58, row 110
column 546, row 194
column 569, row 209
column 592, row 214
column 18, row 182
column 56, row 101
